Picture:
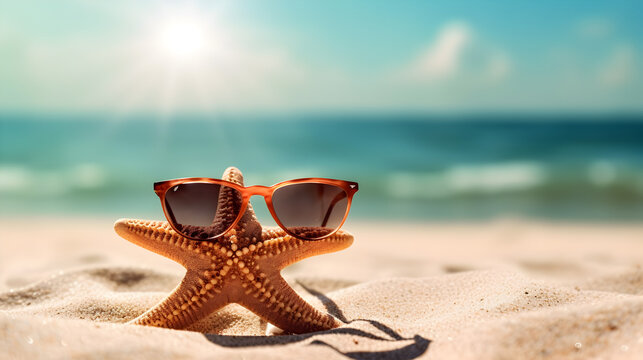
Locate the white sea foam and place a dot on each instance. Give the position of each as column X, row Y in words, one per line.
column 463, row 179
column 13, row 178
column 496, row 177
column 21, row 180
column 602, row 173
column 88, row 176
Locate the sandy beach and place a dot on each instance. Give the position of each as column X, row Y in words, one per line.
column 504, row 289
column 321, row 180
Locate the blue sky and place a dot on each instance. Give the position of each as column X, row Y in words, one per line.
column 179, row 56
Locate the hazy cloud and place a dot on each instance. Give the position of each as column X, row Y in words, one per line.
column 456, row 53
column 619, row 68
column 444, row 56
column 122, row 74
column 499, row 66
column 594, row 28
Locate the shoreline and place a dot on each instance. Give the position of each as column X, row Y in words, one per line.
column 551, row 250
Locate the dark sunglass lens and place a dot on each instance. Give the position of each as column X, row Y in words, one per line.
column 202, row 210
column 310, row 210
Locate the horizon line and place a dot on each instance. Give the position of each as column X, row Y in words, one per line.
column 357, row 114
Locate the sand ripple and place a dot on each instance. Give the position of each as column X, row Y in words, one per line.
column 476, row 314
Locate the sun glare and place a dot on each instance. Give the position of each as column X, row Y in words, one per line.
column 184, row 40
column 173, row 59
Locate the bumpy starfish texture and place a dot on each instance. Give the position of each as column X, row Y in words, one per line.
column 243, row 267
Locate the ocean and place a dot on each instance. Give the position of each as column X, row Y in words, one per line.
column 409, row 167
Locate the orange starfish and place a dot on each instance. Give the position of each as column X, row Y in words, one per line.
column 243, row 267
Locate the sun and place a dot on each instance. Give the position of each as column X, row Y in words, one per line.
column 176, row 59
column 183, row 40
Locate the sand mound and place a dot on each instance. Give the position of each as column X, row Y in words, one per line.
column 478, row 314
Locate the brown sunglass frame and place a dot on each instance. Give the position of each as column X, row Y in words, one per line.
column 161, row 188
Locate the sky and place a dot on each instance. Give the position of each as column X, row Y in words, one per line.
column 169, row 57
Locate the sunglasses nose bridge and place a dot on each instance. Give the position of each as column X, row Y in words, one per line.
column 258, row 190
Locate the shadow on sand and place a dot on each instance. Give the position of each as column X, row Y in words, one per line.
column 411, row 348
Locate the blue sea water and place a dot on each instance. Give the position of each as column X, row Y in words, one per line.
column 410, row 167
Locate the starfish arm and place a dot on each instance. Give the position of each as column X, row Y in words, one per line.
column 277, row 303
column 283, row 250
column 160, row 238
column 187, row 304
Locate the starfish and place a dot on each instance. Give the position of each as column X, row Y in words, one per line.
column 243, row 266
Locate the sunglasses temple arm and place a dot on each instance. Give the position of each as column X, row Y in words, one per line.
column 337, row 198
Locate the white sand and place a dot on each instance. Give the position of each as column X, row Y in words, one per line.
column 505, row 289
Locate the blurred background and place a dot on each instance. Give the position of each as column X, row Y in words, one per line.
column 441, row 110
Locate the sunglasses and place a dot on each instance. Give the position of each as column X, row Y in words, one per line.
column 205, row 209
